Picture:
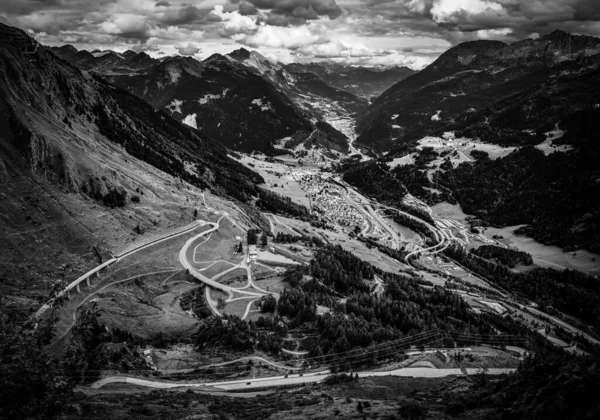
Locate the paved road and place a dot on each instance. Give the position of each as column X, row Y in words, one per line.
column 183, row 259
column 294, row 379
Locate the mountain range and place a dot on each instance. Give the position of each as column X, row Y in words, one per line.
column 508, row 88
column 242, row 99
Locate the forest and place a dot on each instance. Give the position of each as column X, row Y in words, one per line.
column 505, row 256
column 165, row 144
column 556, row 196
column 569, row 291
column 272, row 202
column 360, row 319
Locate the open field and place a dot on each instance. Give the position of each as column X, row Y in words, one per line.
column 548, row 256
column 276, row 258
column 260, row 270
column 543, row 255
column 272, row 284
column 217, row 268
column 408, row 234
column 276, row 178
column 237, row 306
column 219, row 246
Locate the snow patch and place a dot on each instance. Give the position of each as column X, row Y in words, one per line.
column 457, row 94
column 263, row 106
column 175, row 106
column 396, row 127
column 190, row 120
column 395, row 116
column 448, row 135
column 208, row 97
column 436, row 116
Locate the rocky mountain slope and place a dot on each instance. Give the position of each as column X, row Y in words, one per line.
column 305, row 88
column 221, row 97
column 530, row 84
column 86, row 167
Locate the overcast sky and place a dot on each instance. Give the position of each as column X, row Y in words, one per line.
column 401, row 32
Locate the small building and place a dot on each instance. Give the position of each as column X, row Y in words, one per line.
column 252, row 252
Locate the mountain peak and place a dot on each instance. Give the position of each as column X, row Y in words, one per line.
column 557, row 34
column 240, row 54
column 67, row 49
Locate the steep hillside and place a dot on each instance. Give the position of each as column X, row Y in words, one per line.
column 86, row 167
column 306, row 89
column 222, row 98
column 533, row 81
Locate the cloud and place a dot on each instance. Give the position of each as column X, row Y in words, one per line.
column 376, row 2
column 127, row 25
column 183, row 15
column 453, row 11
column 301, row 9
column 247, row 9
column 493, row 33
column 234, row 22
column 282, row 37
column 188, row 49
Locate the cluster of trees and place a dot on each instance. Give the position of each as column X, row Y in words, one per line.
column 397, row 254
column 33, row 385
column 272, row 202
column 506, row 256
column 287, row 238
column 500, row 135
column 232, row 333
column 411, row 223
column 373, row 179
column 195, row 300
column 252, row 236
column 569, row 291
column 110, row 196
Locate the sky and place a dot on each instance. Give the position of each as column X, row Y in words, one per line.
column 357, row 32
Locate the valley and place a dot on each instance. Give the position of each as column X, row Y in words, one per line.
column 238, row 230
column 228, row 275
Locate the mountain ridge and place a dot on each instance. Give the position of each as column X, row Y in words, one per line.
column 469, row 78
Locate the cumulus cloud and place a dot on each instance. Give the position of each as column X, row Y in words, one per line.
column 188, row 49
column 234, row 22
column 444, row 11
column 127, row 25
column 282, row 37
